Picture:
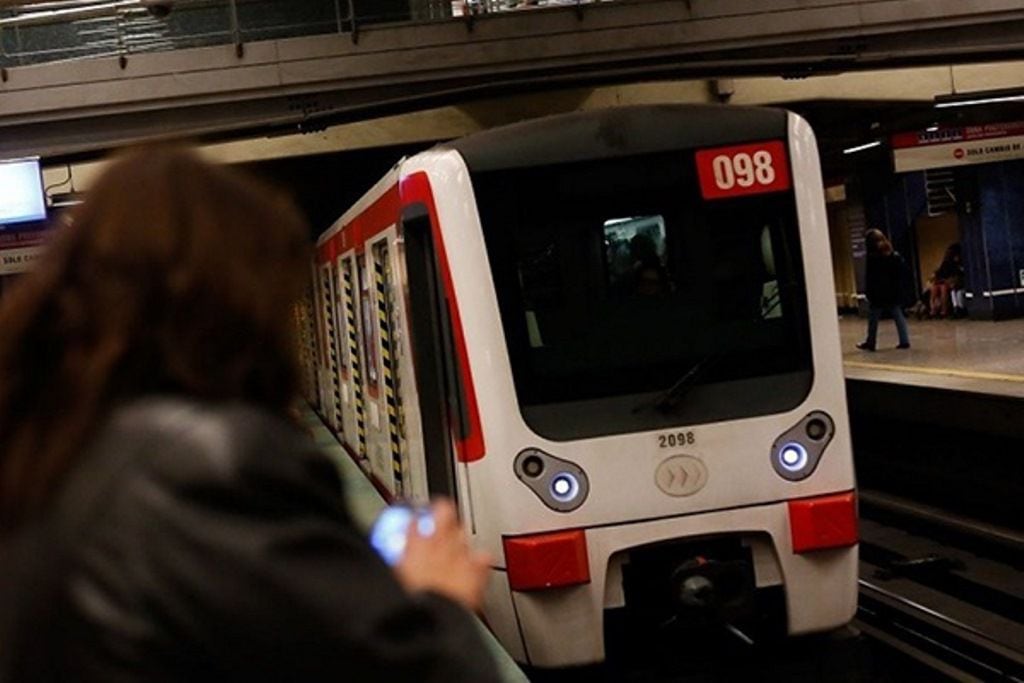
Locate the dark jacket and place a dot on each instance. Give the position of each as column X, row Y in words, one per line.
column 883, row 277
column 951, row 272
column 198, row 542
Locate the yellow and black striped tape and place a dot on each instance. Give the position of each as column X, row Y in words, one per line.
column 353, row 353
column 332, row 345
column 381, row 277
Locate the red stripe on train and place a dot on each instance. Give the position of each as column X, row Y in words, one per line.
column 375, row 219
column 382, row 214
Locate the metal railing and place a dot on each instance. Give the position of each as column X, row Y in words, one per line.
column 33, row 32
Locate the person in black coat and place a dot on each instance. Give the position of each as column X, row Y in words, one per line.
column 161, row 517
column 883, row 278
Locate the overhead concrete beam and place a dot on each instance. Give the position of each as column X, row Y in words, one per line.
column 443, row 123
column 906, row 85
column 326, row 79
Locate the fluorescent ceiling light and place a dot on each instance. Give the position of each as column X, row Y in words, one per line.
column 971, row 99
column 984, row 100
column 861, row 148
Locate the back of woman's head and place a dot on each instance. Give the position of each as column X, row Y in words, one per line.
column 878, row 243
column 176, row 276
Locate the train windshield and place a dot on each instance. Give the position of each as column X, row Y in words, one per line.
column 630, row 302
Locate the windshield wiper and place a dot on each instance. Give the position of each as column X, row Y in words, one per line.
column 669, row 399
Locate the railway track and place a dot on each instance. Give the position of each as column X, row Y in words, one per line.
column 945, row 590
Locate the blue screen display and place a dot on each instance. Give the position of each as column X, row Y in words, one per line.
column 389, row 532
column 21, row 192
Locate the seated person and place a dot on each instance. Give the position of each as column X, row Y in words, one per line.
column 948, row 277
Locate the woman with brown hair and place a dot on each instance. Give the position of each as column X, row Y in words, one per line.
column 883, row 272
column 160, row 517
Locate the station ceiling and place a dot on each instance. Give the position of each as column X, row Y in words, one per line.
column 845, row 110
column 313, row 83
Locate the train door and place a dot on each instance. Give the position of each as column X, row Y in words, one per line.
column 305, row 326
column 327, row 369
column 313, row 348
column 410, row 421
column 439, row 392
column 377, row 446
column 388, row 346
column 318, row 337
column 339, row 345
column 352, row 392
column 333, row 330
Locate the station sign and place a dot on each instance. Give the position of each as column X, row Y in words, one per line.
column 19, row 250
column 952, row 147
column 14, row 261
column 743, row 170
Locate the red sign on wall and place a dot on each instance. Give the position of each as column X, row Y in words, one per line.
column 743, row 170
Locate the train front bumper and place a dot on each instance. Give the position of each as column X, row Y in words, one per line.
column 564, row 625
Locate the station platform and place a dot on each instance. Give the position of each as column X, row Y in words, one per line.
column 365, row 503
column 977, row 356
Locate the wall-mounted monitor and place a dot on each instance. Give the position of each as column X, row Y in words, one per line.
column 21, row 192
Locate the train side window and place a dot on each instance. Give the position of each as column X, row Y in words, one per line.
column 369, row 338
column 442, row 408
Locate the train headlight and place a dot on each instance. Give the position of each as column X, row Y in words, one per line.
column 565, row 487
column 793, row 456
column 560, row 484
column 797, row 451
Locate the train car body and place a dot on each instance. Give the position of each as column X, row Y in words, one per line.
column 611, row 337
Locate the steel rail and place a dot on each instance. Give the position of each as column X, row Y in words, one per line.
column 950, row 645
column 989, row 533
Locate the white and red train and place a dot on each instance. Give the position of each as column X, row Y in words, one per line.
column 611, row 338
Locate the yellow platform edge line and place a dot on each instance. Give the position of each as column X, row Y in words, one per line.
column 948, row 372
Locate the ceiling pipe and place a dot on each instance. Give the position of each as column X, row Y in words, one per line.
column 56, row 11
column 40, row 5
column 45, row 5
column 69, row 13
column 37, row 4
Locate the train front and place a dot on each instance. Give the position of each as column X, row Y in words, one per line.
column 656, row 360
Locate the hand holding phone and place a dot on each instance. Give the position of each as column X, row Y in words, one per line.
column 391, row 530
column 434, row 555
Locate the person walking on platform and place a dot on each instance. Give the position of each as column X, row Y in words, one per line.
column 161, row 518
column 883, row 274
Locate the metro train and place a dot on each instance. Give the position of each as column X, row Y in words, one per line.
column 610, row 337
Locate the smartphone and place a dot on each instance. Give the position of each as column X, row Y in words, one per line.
column 389, row 531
